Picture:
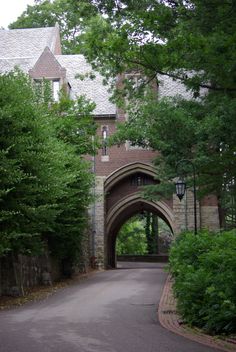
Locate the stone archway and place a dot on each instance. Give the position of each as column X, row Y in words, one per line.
column 118, row 198
column 123, row 200
column 126, row 170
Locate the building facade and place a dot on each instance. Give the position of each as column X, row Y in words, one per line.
column 121, row 171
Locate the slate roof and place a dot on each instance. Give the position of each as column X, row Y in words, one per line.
column 92, row 88
column 24, row 64
column 23, row 47
column 168, row 87
column 26, row 43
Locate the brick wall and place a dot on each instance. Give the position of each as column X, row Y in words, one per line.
column 118, row 155
column 57, row 44
column 47, row 67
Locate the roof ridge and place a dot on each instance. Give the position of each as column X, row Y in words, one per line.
column 17, row 57
column 25, row 29
column 70, row 55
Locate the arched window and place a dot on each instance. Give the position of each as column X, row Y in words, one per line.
column 104, row 140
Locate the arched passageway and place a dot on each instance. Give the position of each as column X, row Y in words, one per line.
column 124, row 200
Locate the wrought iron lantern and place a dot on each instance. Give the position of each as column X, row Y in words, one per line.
column 180, row 186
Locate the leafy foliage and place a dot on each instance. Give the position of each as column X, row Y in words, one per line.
column 204, row 269
column 165, row 37
column 190, row 42
column 45, row 184
column 143, row 234
column 132, row 238
column 196, row 130
column 46, row 13
column 152, row 233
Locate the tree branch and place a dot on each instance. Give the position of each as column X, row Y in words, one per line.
column 181, row 78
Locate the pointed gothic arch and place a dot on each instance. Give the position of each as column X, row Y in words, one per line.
column 127, row 205
column 126, row 170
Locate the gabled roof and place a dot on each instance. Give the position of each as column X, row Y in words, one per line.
column 27, row 43
column 47, row 66
column 33, row 51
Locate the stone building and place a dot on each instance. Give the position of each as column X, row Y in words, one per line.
column 120, row 171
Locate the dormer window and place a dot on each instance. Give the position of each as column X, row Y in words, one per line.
column 56, row 90
column 54, row 85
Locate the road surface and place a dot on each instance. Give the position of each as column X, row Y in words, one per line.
column 112, row 311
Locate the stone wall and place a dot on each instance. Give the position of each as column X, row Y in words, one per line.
column 20, row 272
column 17, row 273
column 210, row 218
column 97, row 223
column 86, row 247
column 207, row 213
column 184, row 212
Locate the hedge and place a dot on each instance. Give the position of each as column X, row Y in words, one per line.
column 204, row 270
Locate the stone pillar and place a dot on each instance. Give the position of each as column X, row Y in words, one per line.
column 97, row 213
column 207, row 213
column 184, row 212
column 210, row 218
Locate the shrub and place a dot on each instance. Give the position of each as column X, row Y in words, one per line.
column 204, row 271
column 45, row 183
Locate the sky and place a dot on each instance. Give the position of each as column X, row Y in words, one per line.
column 11, row 9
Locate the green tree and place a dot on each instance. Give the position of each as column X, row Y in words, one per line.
column 148, row 232
column 191, row 42
column 46, row 13
column 75, row 127
column 155, row 233
column 45, row 182
column 151, row 232
column 131, row 238
column 166, row 37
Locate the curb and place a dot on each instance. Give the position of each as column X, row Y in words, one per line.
column 169, row 319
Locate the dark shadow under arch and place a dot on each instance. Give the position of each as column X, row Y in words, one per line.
column 126, row 212
column 128, row 205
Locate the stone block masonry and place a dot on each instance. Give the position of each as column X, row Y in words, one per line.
column 20, row 272
column 98, row 221
column 207, row 213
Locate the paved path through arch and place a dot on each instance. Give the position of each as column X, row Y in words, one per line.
column 112, row 311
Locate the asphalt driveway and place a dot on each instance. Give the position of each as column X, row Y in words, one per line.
column 112, row 311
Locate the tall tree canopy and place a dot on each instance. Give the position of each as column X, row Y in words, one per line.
column 191, row 41
column 167, row 37
column 45, row 183
column 46, row 13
